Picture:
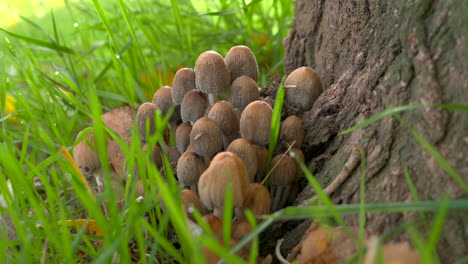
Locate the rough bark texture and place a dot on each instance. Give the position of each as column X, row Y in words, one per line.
column 374, row 54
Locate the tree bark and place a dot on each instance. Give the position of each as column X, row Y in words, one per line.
column 372, row 55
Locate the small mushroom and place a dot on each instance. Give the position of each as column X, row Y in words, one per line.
column 283, row 176
column 302, row 87
column 240, row 229
column 191, row 201
column 262, row 160
column 145, row 114
column 193, row 106
column 211, row 74
column 155, row 155
column 291, row 131
column 173, row 156
column 184, row 81
column 120, row 120
column 214, row 223
column 206, row 138
column 243, row 91
column 226, row 118
column 257, row 199
column 240, row 61
column 84, row 156
column 163, row 99
column 225, row 168
column 247, row 153
column 255, row 122
column 297, row 152
column 182, row 137
column 189, row 169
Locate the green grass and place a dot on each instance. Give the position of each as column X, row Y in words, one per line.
column 86, row 57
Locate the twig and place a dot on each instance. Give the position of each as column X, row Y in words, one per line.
column 44, row 251
column 278, row 252
column 350, row 165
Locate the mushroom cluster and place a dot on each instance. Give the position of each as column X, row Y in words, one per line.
column 224, row 142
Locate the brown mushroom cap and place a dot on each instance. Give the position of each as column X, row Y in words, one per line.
column 121, row 121
column 240, row 61
column 84, row 156
column 145, row 112
column 155, row 155
column 246, row 151
column 206, row 138
column 214, row 223
column 224, row 115
column 243, row 91
column 291, row 130
column 255, row 122
column 302, row 87
column 211, row 73
column 297, row 152
column 189, row 168
column 257, row 199
column 190, row 200
column 224, row 168
column 182, row 136
column 193, row 106
column 116, row 158
column 184, row 81
column 285, row 172
column 163, row 99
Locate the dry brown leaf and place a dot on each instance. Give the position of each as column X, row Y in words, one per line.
column 328, row 245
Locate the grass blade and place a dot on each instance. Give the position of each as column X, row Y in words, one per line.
column 40, row 43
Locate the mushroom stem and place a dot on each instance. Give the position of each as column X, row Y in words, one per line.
column 211, row 99
column 218, row 211
column 284, row 196
column 239, row 213
column 194, row 188
column 277, row 199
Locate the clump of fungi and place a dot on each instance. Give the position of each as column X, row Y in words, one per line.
column 217, row 143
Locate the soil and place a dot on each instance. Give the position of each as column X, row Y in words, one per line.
column 372, row 55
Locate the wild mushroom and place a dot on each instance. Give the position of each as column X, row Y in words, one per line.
column 255, row 122
column 120, row 120
column 240, row 229
column 155, row 154
column 257, row 199
column 189, row 169
column 214, row 223
column 193, row 106
column 247, row 153
column 145, row 114
column 184, row 81
column 302, row 87
column 262, row 160
column 240, row 61
column 191, row 201
column 163, row 99
column 243, row 91
column 211, row 74
column 291, row 131
column 84, row 156
column 226, row 118
column 282, row 178
column 206, row 138
column 182, row 137
column 225, row 168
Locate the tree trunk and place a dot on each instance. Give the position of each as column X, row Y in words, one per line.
column 372, row 55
